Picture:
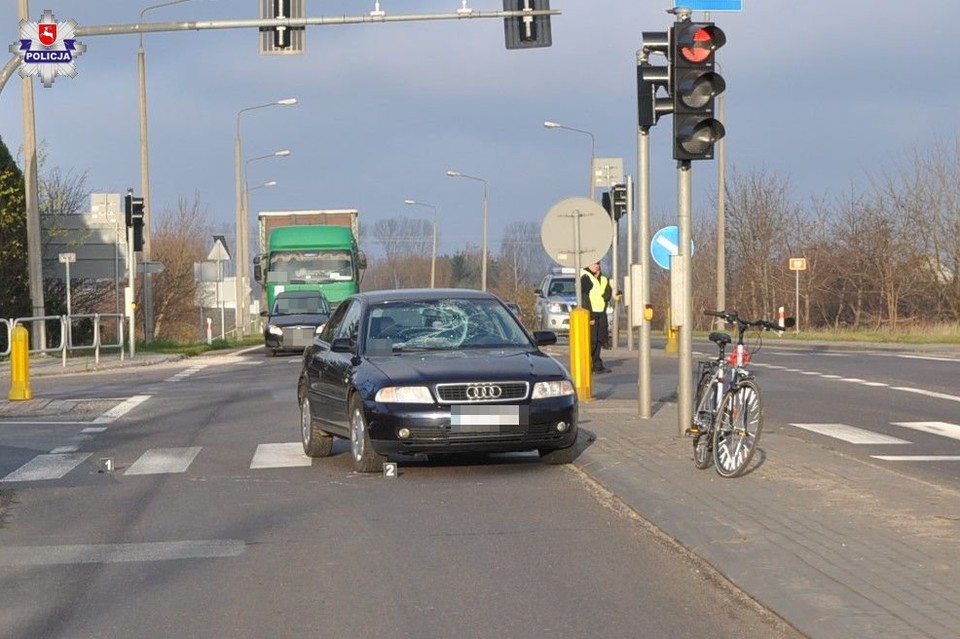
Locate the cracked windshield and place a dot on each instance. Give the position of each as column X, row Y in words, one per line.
column 442, row 325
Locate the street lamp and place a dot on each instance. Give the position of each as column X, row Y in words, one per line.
column 593, row 149
column 483, row 259
column 433, row 261
column 241, row 222
column 260, row 186
column 145, row 179
column 243, row 243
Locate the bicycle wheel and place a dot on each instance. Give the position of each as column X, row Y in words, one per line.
column 737, row 429
column 703, row 419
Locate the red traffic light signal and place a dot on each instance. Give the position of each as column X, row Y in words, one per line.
column 695, row 85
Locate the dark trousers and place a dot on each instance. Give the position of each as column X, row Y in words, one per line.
column 598, row 335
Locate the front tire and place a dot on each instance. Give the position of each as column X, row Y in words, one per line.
column 316, row 443
column 703, row 421
column 365, row 458
column 738, row 428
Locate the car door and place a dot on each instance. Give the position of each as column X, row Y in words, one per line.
column 317, row 360
column 337, row 373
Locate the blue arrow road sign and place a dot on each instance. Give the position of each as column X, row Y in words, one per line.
column 666, row 242
column 709, row 5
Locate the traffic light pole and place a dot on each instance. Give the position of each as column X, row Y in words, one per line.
column 683, row 317
column 643, row 240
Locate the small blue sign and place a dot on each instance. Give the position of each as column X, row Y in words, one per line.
column 666, row 242
column 709, row 5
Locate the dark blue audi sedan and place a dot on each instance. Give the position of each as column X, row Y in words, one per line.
column 433, row 371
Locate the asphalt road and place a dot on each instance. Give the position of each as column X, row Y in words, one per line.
column 212, row 523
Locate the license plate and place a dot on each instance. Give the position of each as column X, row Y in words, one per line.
column 482, row 419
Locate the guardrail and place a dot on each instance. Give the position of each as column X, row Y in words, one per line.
column 105, row 331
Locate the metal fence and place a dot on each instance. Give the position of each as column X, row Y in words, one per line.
column 68, row 334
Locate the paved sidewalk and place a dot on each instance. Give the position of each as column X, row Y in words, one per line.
column 837, row 547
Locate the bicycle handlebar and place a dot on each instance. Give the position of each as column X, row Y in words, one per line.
column 731, row 317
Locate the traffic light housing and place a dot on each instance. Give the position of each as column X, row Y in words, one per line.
column 695, row 84
column 614, row 201
column 133, row 212
column 527, row 32
column 651, row 78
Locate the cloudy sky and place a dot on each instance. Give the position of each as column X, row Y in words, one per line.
column 822, row 93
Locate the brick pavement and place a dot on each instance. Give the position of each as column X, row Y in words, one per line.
column 836, row 546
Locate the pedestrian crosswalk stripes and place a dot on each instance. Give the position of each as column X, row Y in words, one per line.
column 44, row 467
column 851, row 434
column 280, row 455
column 158, row 461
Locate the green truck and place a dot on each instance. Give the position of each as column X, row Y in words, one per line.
column 309, row 251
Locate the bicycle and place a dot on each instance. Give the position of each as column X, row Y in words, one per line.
column 728, row 409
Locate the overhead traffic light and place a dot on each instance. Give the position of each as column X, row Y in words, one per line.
column 527, row 32
column 695, row 84
column 651, row 78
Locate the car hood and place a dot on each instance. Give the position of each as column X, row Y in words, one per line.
column 467, row 365
column 299, row 319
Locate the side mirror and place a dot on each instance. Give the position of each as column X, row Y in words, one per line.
column 257, row 270
column 545, row 338
column 341, row 345
column 264, row 313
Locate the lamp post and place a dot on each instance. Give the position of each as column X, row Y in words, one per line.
column 483, row 258
column 593, row 149
column 145, row 178
column 241, row 222
column 243, row 243
column 433, row 260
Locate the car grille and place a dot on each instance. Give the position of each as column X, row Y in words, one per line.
column 482, row 392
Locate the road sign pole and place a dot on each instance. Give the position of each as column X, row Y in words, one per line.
column 796, row 303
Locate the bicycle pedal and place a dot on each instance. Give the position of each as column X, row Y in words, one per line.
column 693, row 431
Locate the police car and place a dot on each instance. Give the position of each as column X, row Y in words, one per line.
column 556, row 297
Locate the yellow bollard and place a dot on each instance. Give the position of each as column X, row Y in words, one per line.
column 673, row 336
column 20, row 364
column 580, row 353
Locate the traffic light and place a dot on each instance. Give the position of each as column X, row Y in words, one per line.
column 133, row 211
column 614, row 202
column 528, row 31
column 695, row 84
column 651, row 78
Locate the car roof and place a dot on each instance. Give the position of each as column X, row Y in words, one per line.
column 415, row 294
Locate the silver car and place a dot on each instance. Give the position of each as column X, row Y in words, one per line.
column 556, row 297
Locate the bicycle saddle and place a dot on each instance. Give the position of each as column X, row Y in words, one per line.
column 719, row 338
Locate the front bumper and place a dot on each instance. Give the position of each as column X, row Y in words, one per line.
column 431, row 430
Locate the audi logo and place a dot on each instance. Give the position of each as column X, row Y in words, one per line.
column 484, row 392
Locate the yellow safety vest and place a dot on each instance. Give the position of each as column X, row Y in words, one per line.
column 598, row 286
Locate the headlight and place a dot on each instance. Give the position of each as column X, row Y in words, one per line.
column 273, row 329
column 404, row 395
column 555, row 308
column 560, row 388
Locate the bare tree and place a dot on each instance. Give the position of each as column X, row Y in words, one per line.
column 178, row 243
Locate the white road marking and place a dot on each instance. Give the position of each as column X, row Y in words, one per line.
column 920, row 391
column 944, row 429
column 121, row 409
column 93, row 430
column 280, row 456
column 164, row 460
column 851, row 434
column 917, row 457
column 65, row 449
column 116, row 553
column 52, row 466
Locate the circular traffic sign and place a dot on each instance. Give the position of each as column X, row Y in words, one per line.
column 666, row 242
column 559, row 230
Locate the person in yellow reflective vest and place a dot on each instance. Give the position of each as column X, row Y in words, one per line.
column 596, row 293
